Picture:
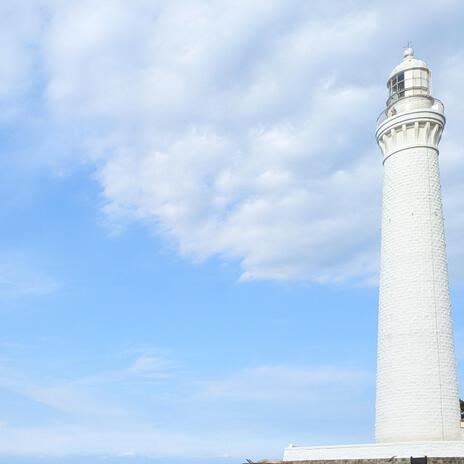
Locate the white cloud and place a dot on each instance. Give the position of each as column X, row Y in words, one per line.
column 62, row 440
column 88, row 397
column 207, row 419
column 151, row 367
column 72, row 398
column 19, row 30
column 279, row 385
column 76, row 398
column 20, row 278
column 226, row 158
column 450, row 77
column 242, row 131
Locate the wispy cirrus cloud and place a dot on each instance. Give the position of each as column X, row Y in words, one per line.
column 151, row 367
column 88, row 415
column 20, row 278
column 278, row 385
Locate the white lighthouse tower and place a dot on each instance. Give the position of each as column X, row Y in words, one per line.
column 417, row 401
column 417, row 391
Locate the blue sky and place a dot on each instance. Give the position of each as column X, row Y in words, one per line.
column 190, row 198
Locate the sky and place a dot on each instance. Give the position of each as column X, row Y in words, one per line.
column 190, row 200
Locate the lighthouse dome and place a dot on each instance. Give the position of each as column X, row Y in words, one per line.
column 409, row 62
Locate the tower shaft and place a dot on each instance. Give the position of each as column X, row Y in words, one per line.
column 417, row 392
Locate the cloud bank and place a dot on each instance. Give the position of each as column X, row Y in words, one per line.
column 241, row 131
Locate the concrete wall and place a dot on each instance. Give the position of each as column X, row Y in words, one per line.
column 430, row 460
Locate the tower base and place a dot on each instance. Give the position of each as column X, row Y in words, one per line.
column 372, row 452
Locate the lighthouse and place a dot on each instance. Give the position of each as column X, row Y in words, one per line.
column 417, row 399
column 417, row 392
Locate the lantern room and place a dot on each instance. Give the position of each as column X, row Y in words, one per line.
column 410, row 78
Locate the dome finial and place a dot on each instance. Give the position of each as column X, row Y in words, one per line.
column 408, row 51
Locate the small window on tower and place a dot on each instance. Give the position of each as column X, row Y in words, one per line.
column 401, row 87
column 397, row 85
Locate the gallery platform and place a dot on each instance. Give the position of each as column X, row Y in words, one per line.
column 377, row 452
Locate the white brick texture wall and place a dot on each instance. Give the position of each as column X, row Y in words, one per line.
column 417, row 392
